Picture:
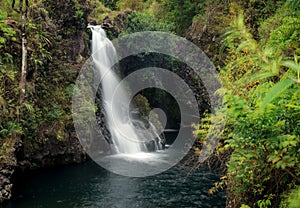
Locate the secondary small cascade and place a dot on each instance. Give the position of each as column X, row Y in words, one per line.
column 123, row 133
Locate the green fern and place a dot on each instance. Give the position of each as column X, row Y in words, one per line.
column 29, row 107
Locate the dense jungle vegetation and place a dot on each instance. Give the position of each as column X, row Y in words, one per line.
column 255, row 46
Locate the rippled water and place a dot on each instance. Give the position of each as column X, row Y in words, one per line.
column 88, row 185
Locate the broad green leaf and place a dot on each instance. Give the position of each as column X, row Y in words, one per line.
column 244, row 206
column 261, row 75
column 275, row 91
column 275, row 159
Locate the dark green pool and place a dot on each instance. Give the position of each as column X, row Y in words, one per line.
column 89, row 185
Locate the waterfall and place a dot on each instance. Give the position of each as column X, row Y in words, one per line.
column 123, row 134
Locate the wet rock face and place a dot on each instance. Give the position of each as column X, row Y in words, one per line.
column 7, row 169
column 116, row 25
column 100, row 116
column 52, row 152
column 48, row 153
column 6, row 173
column 69, row 20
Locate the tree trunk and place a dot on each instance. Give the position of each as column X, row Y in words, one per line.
column 22, row 83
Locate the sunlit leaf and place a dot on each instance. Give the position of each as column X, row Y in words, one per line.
column 291, row 65
column 276, row 91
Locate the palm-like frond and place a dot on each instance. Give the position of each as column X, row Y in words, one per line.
column 275, row 91
column 294, row 66
column 248, row 45
column 260, row 76
column 293, row 4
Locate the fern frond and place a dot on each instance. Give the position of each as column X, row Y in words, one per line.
column 29, row 107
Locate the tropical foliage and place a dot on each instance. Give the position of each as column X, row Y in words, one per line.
column 255, row 46
column 262, row 98
column 46, row 106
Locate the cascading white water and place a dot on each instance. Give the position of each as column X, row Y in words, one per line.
column 124, row 136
